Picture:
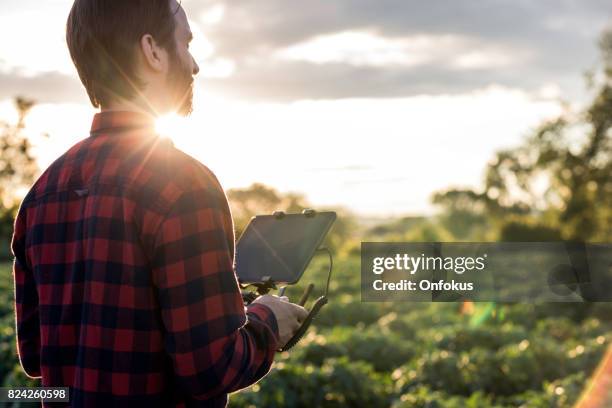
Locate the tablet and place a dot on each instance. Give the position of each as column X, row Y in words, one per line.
column 279, row 247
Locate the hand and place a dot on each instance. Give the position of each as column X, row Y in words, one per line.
column 289, row 316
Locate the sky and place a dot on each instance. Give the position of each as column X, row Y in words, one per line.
column 371, row 105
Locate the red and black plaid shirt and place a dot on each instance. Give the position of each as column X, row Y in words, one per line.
column 125, row 288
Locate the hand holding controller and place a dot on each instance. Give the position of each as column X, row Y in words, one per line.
column 289, row 316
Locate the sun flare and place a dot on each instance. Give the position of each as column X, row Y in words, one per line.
column 171, row 126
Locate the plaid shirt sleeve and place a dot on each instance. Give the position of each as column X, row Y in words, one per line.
column 215, row 344
column 26, row 304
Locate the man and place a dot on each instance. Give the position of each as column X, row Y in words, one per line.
column 124, row 247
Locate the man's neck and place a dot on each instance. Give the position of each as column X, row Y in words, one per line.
column 130, row 106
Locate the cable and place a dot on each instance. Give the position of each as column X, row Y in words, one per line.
column 331, row 266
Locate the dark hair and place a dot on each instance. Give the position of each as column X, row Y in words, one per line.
column 102, row 37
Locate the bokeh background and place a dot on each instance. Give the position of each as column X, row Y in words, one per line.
column 417, row 121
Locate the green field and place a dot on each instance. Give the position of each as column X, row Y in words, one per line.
column 412, row 354
column 10, row 370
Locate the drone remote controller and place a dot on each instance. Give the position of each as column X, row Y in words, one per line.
column 319, row 303
column 267, row 237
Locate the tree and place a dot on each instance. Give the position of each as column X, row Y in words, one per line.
column 17, row 166
column 576, row 173
column 259, row 199
column 17, row 169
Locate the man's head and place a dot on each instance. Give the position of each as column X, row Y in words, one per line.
column 133, row 52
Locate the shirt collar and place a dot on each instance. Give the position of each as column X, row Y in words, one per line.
column 115, row 122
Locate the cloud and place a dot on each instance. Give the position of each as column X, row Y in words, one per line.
column 363, row 48
column 319, row 49
column 247, row 25
column 287, row 81
column 49, row 87
column 329, row 49
column 348, row 168
column 33, row 37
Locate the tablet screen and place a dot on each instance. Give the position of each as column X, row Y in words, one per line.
column 280, row 248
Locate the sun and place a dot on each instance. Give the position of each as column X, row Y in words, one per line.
column 172, row 126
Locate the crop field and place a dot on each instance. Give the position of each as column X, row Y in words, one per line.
column 405, row 354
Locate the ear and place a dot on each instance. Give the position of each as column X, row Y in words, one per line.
column 155, row 57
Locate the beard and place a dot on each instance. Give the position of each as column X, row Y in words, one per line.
column 181, row 82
